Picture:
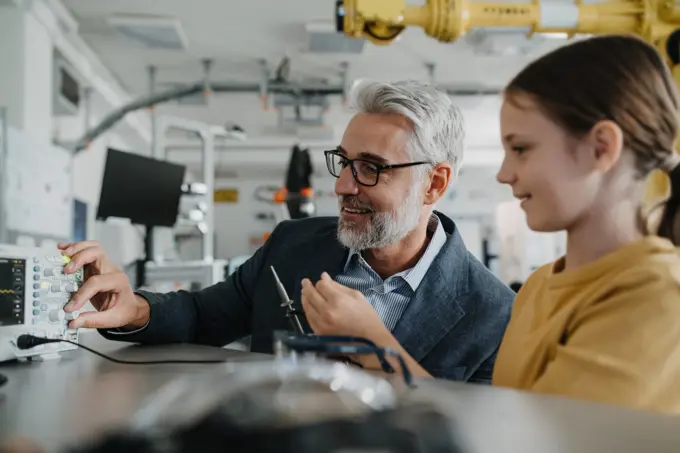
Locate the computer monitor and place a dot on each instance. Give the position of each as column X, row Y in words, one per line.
column 147, row 191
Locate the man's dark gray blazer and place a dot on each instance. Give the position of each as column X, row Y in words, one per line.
column 452, row 326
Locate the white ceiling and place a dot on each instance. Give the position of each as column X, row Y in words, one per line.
column 237, row 34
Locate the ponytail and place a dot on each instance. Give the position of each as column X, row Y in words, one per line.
column 669, row 226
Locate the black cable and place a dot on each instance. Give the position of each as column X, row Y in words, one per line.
column 29, row 341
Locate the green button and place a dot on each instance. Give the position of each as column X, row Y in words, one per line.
column 36, row 312
column 36, row 303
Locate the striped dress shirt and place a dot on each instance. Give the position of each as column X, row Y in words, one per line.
column 391, row 296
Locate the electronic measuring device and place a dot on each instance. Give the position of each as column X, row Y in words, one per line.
column 33, row 292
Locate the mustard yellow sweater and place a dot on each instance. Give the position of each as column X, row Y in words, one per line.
column 608, row 331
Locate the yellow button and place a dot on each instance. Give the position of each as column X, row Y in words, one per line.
column 66, row 259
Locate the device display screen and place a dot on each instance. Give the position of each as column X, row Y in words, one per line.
column 12, row 284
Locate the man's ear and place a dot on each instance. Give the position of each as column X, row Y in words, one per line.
column 440, row 178
column 606, row 140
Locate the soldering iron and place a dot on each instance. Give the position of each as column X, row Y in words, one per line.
column 287, row 303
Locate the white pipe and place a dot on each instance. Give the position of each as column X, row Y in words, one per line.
column 209, row 181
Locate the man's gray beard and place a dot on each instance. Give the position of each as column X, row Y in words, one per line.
column 383, row 228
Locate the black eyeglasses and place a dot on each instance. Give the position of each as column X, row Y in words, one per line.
column 365, row 172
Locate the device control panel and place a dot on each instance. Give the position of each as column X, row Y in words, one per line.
column 33, row 292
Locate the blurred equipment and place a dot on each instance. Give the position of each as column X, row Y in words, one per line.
column 166, row 276
column 142, row 189
column 282, row 73
column 201, row 219
column 195, row 213
column 299, row 195
column 381, row 21
column 146, row 191
column 339, row 347
column 655, row 21
column 521, row 250
column 33, row 292
column 292, row 404
column 302, row 116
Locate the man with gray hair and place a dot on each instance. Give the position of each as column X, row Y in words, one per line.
column 389, row 269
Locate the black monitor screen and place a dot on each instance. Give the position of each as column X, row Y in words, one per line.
column 145, row 190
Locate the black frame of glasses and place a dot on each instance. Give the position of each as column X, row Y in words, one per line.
column 379, row 167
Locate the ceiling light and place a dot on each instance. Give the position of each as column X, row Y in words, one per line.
column 152, row 31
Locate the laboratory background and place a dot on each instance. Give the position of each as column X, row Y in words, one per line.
column 179, row 134
column 239, row 86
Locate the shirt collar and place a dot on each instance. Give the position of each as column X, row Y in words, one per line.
column 415, row 275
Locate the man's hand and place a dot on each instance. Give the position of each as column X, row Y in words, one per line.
column 106, row 286
column 334, row 309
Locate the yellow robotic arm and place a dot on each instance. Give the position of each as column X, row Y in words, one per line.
column 656, row 21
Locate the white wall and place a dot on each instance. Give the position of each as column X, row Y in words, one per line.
column 26, row 51
column 25, row 78
column 37, row 90
column 12, row 58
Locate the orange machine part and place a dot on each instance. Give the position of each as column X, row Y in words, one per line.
column 281, row 195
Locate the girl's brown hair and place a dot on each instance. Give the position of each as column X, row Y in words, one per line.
column 618, row 78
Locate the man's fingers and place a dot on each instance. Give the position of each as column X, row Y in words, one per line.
column 331, row 289
column 307, row 305
column 75, row 247
column 314, row 299
column 333, row 285
column 64, row 245
column 96, row 320
column 83, row 257
column 96, row 284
